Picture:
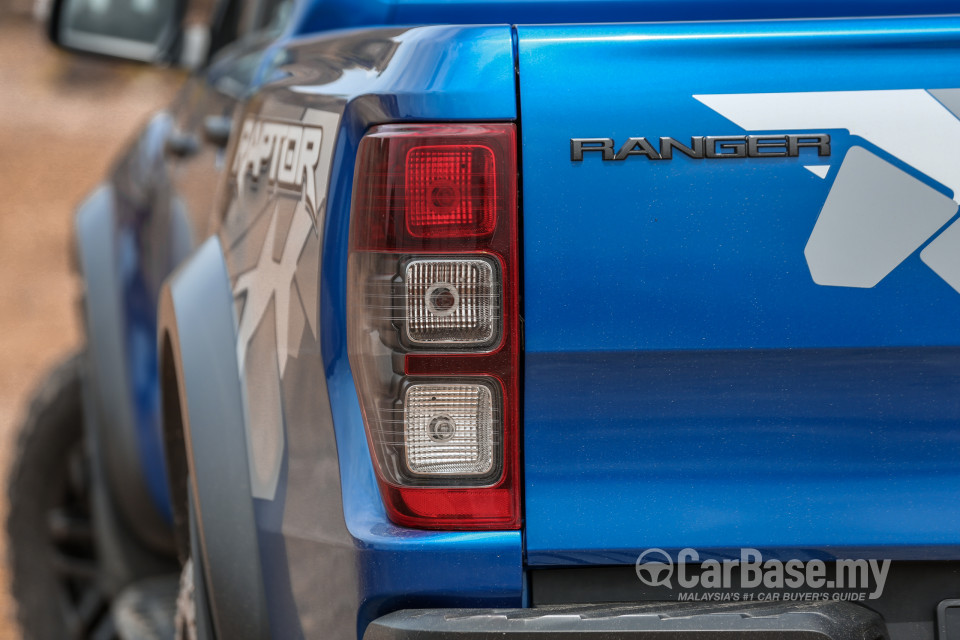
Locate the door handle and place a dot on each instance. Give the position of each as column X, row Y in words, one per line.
column 216, row 130
column 180, row 145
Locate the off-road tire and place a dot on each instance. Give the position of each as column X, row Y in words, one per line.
column 51, row 545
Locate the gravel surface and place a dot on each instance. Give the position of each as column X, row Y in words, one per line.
column 63, row 118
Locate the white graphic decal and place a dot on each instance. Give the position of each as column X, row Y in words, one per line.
column 908, row 124
column 281, row 172
column 819, row 170
column 291, row 151
column 272, row 280
column 942, row 255
column 876, row 215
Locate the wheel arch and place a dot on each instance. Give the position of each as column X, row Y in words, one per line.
column 203, row 421
column 107, row 393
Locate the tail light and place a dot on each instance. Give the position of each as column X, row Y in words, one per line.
column 433, row 321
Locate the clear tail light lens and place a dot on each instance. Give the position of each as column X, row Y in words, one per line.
column 448, row 429
column 433, row 317
column 451, row 302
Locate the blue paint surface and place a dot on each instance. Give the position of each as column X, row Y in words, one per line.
column 397, row 567
column 322, row 15
column 687, row 383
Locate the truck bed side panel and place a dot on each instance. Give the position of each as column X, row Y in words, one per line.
column 741, row 351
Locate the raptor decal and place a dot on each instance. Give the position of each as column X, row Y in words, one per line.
column 273, row 227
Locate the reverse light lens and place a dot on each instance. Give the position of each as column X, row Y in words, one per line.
column 451, row 191
column 451, row 302
column 449, row 429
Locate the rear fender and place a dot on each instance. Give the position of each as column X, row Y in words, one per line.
column 204, row 430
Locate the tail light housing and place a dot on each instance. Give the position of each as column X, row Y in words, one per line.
column 433, row 321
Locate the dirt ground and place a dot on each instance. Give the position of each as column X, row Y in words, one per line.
column 62, row 119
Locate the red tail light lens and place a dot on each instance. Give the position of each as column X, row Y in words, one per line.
column 433, row 316
column 451, row 191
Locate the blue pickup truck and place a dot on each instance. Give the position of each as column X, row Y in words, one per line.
column 412, row 319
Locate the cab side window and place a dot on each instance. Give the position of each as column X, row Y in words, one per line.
column 266, row 16
column 235, row 20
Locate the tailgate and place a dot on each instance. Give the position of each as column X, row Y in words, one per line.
column 741, row 305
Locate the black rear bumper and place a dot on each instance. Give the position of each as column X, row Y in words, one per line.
column 660, row 620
